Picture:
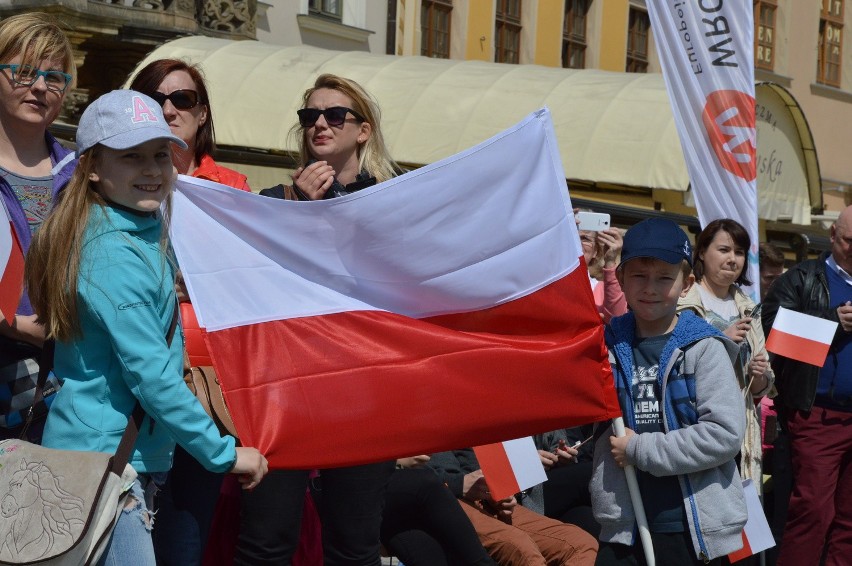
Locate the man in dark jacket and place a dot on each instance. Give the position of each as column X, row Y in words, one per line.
column 816, row 405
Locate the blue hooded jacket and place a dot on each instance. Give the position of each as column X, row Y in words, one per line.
column 704, row 425
column 125, row 301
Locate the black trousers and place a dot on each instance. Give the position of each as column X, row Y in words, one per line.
column 567, row 497
column 670, row 549
column 423, row 525
column 350, row 506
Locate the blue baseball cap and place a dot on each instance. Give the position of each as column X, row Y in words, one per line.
column 122, row 119
column 658, row 238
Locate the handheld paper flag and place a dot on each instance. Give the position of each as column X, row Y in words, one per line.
column 801, row 337
column 757, row 536
column 510, row 467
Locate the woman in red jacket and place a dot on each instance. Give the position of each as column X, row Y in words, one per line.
column 180, row 89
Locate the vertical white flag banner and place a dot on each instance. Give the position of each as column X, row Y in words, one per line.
column 706, row 50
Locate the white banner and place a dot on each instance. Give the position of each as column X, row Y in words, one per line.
column 706, row 49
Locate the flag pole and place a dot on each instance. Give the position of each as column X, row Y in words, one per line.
column 636, row 499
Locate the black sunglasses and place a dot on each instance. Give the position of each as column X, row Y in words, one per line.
column 334, row 116
column 183, row 99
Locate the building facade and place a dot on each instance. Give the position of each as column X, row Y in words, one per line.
column 799, row 45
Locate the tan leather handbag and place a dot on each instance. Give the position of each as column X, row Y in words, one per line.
column 204, row 384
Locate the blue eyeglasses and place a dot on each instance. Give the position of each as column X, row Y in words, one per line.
column 27, row 75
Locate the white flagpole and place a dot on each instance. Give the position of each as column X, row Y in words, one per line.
column 636, row 499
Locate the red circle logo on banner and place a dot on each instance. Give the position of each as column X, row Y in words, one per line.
column 729, row 120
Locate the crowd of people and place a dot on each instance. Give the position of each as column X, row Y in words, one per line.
column 701, row 397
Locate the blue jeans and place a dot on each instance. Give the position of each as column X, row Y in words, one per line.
column 186, row 504
column 131, row 543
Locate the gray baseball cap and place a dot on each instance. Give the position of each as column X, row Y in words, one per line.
column 122, row 119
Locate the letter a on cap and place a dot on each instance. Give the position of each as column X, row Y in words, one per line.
column 141, row 112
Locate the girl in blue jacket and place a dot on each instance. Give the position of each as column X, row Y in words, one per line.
column 101, row 280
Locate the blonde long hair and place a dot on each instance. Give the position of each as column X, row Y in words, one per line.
column 53, row 260
column 36, row 37
column 52, row 268
column 373, row 155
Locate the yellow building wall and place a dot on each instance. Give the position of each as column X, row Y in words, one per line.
column 548, row 40
column 408, row 36
column 480, row 24
column 613, row 39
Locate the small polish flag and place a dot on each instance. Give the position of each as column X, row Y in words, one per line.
column 756, row 535
column 11, row 269
column 510, row 467
column 801, row 337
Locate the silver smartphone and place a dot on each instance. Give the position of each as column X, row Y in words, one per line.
column 593, row 221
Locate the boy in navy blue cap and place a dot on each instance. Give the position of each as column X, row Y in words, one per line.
column 680, row 399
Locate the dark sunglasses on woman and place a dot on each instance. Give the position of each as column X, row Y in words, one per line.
column 183, row 99
column 334, row 116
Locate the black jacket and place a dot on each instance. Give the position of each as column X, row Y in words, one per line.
column 453, row 466
column 803, row 288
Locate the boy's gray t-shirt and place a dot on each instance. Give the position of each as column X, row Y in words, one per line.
column 661, row 495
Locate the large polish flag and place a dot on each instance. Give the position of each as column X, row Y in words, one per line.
column 11, row 268
column 706, row 52
column 801, row 336
column 445, row 308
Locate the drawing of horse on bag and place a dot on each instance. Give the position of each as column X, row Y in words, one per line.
column 37, row 516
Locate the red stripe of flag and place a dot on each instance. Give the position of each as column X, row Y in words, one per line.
column 797, row 347
column 744, row 552
column 501, row 479
column 12, row 279
column 289, row 382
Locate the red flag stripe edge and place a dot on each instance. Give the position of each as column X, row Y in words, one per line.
column 12, row 279
column 744, row 552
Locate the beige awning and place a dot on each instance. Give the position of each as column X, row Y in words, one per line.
column 612, row 128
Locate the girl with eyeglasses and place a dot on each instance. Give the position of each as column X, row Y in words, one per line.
column 187, row 501
column 36, row 70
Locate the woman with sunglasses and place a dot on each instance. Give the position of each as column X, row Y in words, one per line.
column 180, row 89
column 341, row 149
column 340, row 143
column 187, row 501
column 36, row 70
